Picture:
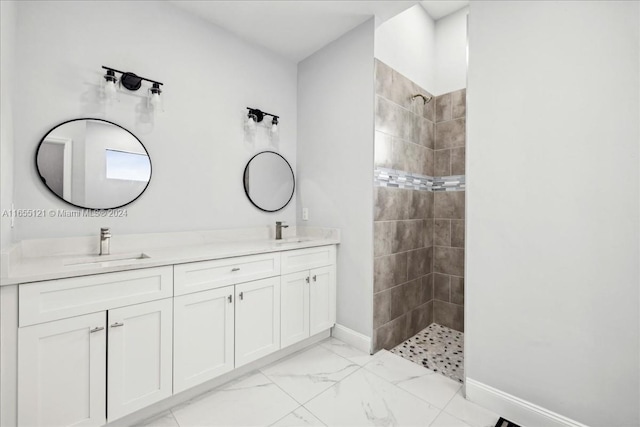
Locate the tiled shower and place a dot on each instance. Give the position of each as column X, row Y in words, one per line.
column 418, row 231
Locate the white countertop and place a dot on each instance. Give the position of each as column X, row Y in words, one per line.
column 29, row 265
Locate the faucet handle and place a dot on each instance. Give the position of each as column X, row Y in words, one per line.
column 105, row 231
column 280, row 224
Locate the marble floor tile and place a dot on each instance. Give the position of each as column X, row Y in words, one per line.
column 365, row 399
column 435, row 389
column 395, row 369
column 165, row 419
column 306, row 374
column 471, row 413
column 446, row 420
column 253, row 400
column 340, row 348
column 301, row 417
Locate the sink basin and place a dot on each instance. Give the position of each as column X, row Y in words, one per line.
column 107, row 260
column 293, row 240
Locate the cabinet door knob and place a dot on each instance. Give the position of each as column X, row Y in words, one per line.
column 117, row 324
column 307, row 279
column 241, row 296
column 230, row 299
column 235, row 269
column 314, row 278
column 96, row 329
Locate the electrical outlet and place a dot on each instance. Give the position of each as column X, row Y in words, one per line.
column 305, row 214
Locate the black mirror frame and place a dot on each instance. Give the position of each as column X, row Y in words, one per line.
column 98, row 120
column 244, row 174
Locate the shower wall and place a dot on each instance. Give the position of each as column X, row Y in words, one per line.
column 418, row 235
column 403, row 218
column 449, row 211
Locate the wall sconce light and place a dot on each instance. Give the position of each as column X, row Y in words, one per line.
column 132, row 82
column 255, row 116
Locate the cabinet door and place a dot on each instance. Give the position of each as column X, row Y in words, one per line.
column 322, row 299
column 257, row 319
column 203, row 336
column 62, row 372
column 139, row 358
column 294, row 307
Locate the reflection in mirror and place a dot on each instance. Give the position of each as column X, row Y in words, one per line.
column 94, row 164
column 269, row 181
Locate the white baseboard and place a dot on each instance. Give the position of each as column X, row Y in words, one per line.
column 351, row 337
column 515, row 409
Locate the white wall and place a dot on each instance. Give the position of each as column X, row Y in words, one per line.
column 407, row 43
column 552, row 301
column 451, row 52
column 196, row 146
column 8, row 22
column 335, row 161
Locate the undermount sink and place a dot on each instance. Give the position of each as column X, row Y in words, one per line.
column 293, row 240
column 107, row 260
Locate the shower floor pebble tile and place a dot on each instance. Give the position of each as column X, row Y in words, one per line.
column 436, row 347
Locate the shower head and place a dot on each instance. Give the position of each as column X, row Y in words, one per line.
column 425, row 99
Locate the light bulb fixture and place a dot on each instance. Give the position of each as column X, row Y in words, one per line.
column 155, row 101
column 257, row 116
column 109, row 85
column 132, row 82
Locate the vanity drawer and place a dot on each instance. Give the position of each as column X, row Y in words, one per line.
column 57, row 299
column 305, row 259
column 201, row 276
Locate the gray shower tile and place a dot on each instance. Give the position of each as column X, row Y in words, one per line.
column 442, row 232
column 428, row 232
column 409, row 235
column 448, row 261
column 417, row 263
column 409, row 157
column 449, row 315
column 420, row 204
column 404, row 298
column 383, row 150
column 389, row 271
column 391, row 334
column 443, row 107
column 457, row 290
column 384, row 234
column 441, row 287
column 430, row 205
column 457, row 161
column 450, row 134
column 420, row 317
column 442, row 164
column 427, row 288
column 449, row 204
column 381, row 308
column 391, row 203
column 426, row 132
column 429, row 111
column 458, row 103
column 429, row 266
column 394, row 120
column 384, row 79
column 457, row 233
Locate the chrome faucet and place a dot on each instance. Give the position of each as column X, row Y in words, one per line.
column 105, row 241
column 279, row 228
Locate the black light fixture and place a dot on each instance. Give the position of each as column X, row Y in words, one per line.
column 132, row 82
column 256, row 116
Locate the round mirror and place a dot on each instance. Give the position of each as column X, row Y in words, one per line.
column 93, row 164
column 269, row 181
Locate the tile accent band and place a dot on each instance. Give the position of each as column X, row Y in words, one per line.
column 383, row 177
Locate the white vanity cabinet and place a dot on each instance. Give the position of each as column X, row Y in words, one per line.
column 257, row 319
column 62, row 372
column 308, row 295
column 66, row 366
column 203, row 336
column 93, row 349
column 139, row 363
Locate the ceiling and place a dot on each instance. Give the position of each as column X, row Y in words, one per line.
column 439, row 9
column 296, row 29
